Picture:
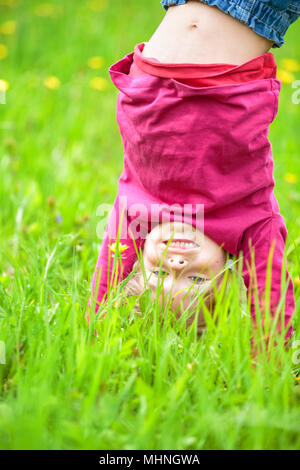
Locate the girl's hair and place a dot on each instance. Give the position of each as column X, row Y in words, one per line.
column 135, row 286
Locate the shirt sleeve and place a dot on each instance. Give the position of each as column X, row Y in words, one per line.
column 106, row 275
column 259, row 242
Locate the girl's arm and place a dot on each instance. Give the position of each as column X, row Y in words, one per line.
column 261, row 241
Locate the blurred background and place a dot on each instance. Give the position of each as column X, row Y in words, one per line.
column 60, row 150
column 136, row 386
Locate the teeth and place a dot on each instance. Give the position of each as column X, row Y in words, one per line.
column 183, row 244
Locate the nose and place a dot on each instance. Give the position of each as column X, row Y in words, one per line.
column 177, row 262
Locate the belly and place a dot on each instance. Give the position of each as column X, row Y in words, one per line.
column 202, row 34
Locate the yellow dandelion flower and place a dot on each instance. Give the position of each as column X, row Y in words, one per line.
column 98, row 83
column 112, row 247
column 44, row 9
column 291, row 178
column 95, row 62
column 285, row 77
column 297, row 282
column 3, row 51
column 122, row 248
column 8, row 27
column 97, row 5
column 291, row 65
column 52, row 83
column 4, row 85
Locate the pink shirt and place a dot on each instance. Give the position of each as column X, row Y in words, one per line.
column 263, row 66
column 208, row 146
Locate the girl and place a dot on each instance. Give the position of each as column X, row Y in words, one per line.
column 194, row 110
column 190, row 265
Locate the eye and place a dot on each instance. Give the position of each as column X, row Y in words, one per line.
column 163, row 273
column 198, row 280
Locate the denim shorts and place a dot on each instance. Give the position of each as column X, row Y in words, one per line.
column 269, row 18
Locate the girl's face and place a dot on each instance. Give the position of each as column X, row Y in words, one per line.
column 187, row 266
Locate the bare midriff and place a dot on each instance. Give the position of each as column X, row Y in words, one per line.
column 201, row 34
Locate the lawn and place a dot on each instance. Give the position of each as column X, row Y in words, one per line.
column 142, row 383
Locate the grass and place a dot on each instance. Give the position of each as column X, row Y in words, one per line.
column 143, row 383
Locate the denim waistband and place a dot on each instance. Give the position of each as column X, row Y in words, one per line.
column 268, row 18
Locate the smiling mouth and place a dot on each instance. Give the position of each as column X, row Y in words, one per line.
column 181, row 244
